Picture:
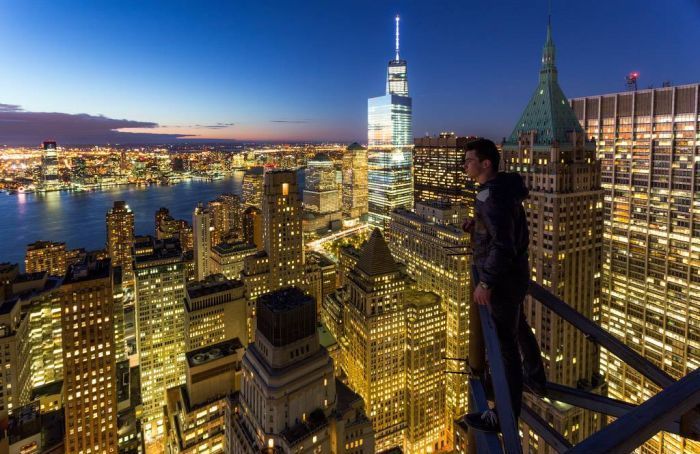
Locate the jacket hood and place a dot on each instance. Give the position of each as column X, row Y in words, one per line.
column 510, row 183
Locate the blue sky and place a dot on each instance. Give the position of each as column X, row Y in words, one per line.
column 304, row 70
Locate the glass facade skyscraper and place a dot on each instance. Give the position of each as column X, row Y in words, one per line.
column 390, row 143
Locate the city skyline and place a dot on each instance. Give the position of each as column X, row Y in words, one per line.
column 263, row 73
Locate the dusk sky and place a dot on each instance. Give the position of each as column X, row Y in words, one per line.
column 302, row 71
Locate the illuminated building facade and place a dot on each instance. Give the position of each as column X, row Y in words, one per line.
column 320, row 189
column 46, row 256
column 251, row 221
column 375, row 340
column 120, row 239
column 202, row 231
column 565, row 221
column 436, row 252
column 648, row 141
column 89, row 370
column 160, row 294
column 199, row 413
column 227, row 258
column 252, row 189
column 438, row 169
column 426, row 428
column 354, row 197
column 215, row 311
column 290, row 401
column 390, row 145
column 49, row 166
column 320, row 278
column 282, row 235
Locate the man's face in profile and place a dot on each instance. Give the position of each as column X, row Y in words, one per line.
column 472, row 166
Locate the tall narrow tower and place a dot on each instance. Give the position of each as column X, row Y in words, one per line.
column 120, row 239
column 565, row 219
column 390, row 143
column 201, row 225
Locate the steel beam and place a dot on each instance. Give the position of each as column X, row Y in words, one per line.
column 544, row 430
column 640, row 424
column 485, row 442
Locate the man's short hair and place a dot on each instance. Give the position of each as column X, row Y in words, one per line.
column 485, row 150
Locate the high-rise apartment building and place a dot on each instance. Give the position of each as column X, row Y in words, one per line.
column 120, row 239
column 49, row 166
column 390, row 145
column 46, row 256
column 354, row 197
column 290, row 400
column 202, row 230
column 160, row 295
column 375, row 340
column 438, row 169
column 436, row 252
column 282, row 235
column 89, row 368
column 251, row 225
column 252, row 188
column 215, row 311
column 648, row 141
column 565, row 216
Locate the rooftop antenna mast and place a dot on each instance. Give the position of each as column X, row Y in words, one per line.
column 397, row 37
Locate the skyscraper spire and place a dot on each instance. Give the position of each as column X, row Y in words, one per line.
column 397, row 37
column 548, row 69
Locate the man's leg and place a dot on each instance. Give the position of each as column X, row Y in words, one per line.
column 506, row 318
column 532, row 357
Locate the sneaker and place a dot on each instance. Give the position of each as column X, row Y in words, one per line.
column 536, row 388
column 483, row 422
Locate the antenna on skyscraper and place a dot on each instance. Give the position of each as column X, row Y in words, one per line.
column 397, row 37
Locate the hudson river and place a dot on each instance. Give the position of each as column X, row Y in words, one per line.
column 78, row 218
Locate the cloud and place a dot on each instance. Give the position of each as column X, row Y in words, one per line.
column 290, row 121
column 216, row 126
column 20, row 127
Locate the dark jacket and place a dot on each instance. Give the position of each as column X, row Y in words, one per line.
column 501, row 238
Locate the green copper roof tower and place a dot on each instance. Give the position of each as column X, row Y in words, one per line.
column 548, row 113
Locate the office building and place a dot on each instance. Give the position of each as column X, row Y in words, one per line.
column 390, row 145
column 375, row 340
column 46, row 256
column 320, row 278
column 290, row 401
column 321, row 195
column 120, row 239
column 50, row 180
column 227, row 258
column 438, row 169
column 251, row 221
column 160, row 295
column 89, row 374
column 200, row 412
column 437, row 255
column 647, row 142
column 215, row 311
column 202, row 231
column 565, row 216
column 252, row 188
column 426, row 428
column 354, row 195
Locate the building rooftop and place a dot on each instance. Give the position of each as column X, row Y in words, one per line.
column 212, row 352
column 320, row 157
column 375, row 256
column 316, row 421
column 355, row 146
column 548, row 112
column 255, row 171
column 284, row 300
column 48, row 389
column 87, row 269
column 325, row 337
column 229, row 248
column 214, row 283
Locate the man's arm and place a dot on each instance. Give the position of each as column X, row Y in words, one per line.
column 498, row 219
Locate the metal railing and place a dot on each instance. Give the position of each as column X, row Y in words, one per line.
column 673, row 409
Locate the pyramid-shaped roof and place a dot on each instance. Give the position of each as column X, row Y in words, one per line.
column 548, row 111
column 375, row 257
